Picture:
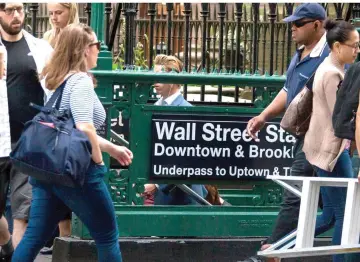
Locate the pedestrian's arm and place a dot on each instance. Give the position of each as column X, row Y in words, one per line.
column 276, row 107
column 122, row 154
column 105, row 145
column 90, row 131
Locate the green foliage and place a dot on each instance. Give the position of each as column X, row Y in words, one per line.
column 139, row 54
column 118, row 61
column 139, row 51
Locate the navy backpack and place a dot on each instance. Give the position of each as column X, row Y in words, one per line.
column 50, row 148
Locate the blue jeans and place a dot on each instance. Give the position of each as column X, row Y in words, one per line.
column 334, row 199
column 91, row 203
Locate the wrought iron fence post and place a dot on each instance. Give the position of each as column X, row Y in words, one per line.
column 238, row 15
column 87, row 10
column 221, row 15
column 255, row 36
column 204, row 13
column 272, row 17
column 169, row 9
column 114, row 26
column 33, row 7
column 338, row 10
column 130, row 13
column 187, row 13
column 107, row 13
column 151, row 13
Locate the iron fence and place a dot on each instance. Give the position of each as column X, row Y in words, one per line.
column 207, row 37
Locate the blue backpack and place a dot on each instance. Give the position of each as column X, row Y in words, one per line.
column 50, row 148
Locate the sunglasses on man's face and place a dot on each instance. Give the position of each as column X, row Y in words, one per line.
column 97, row 44
column 301, row 23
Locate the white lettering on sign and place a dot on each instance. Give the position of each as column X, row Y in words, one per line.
column 256, row 152
column 181, row 171
column 276, row 134
column 179, row 133
column 240, row 172
column 197, row 151
column 223, row 146
column 216, row 132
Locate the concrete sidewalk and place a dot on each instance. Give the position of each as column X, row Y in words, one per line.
column 43, row 258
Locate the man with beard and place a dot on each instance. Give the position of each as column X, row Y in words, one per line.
column 24, row 58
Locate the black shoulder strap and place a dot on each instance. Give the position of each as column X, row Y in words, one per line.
column 310, row 81
column 57, row 96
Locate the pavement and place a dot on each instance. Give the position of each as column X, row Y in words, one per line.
column 43, row 258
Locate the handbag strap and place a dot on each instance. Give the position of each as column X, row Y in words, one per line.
column 310, row 80
column 57, row 95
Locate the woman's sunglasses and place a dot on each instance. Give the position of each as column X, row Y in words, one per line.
column 301, row 23
column 98, row 45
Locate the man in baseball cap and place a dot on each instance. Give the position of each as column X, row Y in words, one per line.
column 309, row 10
column 308, row 32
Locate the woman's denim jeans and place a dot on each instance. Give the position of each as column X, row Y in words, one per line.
column 334, row 199
column 91, row 203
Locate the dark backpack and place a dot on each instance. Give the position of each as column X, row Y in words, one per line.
column 347, row 101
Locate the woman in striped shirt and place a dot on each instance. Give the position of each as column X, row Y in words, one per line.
column 74, row 55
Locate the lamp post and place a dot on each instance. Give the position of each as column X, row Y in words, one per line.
column 97, row 24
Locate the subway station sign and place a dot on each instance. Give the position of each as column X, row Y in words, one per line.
column 215, row 147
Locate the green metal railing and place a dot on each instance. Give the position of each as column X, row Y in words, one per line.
column 258, row 201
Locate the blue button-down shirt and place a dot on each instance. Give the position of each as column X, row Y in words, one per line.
column 299, row 72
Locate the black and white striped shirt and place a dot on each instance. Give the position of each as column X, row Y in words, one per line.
column 79, row 95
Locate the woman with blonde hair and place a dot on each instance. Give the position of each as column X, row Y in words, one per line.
column 73, row 57
column 60, row 15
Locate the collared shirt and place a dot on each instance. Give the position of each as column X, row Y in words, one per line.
column 169, row 100
column 41, row 51
column 300, row 71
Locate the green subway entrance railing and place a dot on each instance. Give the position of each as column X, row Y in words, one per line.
column 156, row 132
column 129, row 92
